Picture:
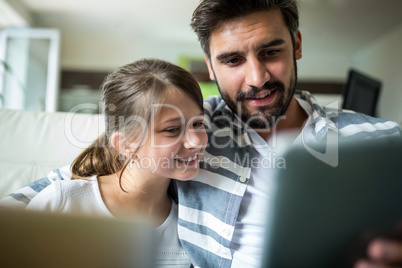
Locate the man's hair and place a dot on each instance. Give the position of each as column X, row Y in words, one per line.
column 211, row 13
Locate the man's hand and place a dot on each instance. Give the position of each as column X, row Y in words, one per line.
column 382, row 253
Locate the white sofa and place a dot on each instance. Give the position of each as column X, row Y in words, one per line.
column 34, row 143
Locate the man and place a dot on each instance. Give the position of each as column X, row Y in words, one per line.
column 251, row 49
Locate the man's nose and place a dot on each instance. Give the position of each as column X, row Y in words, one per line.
column 256, row 73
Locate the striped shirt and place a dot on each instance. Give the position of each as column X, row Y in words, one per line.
column 210, row 203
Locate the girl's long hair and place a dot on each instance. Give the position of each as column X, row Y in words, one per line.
column 128, row 94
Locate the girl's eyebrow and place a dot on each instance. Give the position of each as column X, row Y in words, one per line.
column 175, row 119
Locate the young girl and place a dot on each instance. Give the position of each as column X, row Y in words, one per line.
column 154, row 133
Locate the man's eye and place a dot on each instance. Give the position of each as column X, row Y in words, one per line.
column 232, row 61
column 272, row 52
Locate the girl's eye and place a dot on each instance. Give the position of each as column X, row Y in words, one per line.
column 198, row 124
column 172, row 130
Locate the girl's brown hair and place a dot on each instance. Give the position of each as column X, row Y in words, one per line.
column 128, row 94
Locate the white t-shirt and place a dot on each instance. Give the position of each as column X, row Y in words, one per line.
column 83, row 196
column 249, row 234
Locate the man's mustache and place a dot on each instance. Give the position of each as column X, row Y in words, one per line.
column 279, row 86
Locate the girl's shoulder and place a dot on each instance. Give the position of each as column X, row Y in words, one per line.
column 80, row 189
column 71, row 187
column 66, row 195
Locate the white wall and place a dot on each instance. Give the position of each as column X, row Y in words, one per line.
column 14, row 14
column 379, row 59
column 97, row 46
column 324, row 65
column 383, row 59
column 100, row 50
column 80, row 52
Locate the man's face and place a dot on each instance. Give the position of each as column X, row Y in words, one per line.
column 253, row 62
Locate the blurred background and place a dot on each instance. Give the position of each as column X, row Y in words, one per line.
column 55, row 54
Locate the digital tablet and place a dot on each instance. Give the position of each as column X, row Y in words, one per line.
column 322, row 215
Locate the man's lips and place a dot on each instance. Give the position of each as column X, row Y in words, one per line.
column 263, row 98
column 260, row 95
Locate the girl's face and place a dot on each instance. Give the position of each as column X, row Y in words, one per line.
column 176, row 139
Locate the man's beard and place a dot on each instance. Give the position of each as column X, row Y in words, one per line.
column 266, row 117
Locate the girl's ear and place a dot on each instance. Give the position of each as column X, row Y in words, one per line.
column 122, row 144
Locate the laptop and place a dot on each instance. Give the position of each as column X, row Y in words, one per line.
column 39, row 239
column 323, row 216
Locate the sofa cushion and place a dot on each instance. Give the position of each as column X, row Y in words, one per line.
column 34, row 143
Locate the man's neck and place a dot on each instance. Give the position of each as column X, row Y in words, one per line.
column 292, row 121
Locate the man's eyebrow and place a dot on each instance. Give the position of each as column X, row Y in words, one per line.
column 226, row 55
column 276, row 42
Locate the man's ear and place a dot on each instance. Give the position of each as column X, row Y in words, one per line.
column 298, row 45
column 121, row 144
column 210, row 70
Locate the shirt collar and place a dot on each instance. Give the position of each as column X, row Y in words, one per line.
column 321, row 116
